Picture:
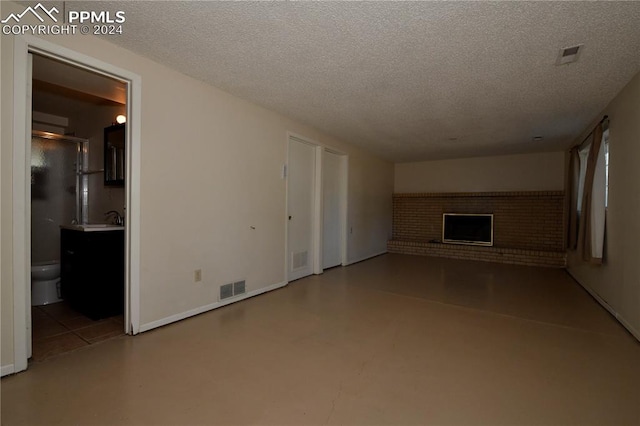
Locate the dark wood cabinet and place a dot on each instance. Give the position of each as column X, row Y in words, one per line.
column 92, row 271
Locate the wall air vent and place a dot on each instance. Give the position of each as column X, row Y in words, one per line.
column 568, row 55
column 239, row 287
column 233, row 289
column 226, row 291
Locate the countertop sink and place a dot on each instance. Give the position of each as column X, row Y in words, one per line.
column 94, row 227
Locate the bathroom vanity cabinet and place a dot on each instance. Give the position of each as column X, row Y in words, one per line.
column 92, row 269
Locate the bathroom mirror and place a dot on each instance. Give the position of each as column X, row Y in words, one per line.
column 114, row 158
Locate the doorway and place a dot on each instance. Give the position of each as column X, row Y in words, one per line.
column 73, row 189
column 24, row 117
column 316, row 208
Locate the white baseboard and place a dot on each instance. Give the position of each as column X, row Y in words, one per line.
column 5, row 370
column 202, row 309
column 351, row 262
column 608, row 307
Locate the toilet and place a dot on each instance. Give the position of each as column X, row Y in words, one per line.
column 45, row 283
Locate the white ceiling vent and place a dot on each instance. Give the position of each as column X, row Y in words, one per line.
column 568, row 55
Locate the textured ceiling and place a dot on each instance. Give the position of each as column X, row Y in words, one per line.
column 406, row 80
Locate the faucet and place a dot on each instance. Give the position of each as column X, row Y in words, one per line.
column 118, row 219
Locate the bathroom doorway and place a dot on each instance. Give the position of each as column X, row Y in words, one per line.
column 77, row 208
column 25, row 50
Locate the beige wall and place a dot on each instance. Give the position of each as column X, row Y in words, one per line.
column 370, row 207
column 525, row 172
column 211, row 165
column 617, row 282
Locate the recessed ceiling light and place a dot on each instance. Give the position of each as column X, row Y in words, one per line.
column 537, row 138
column 567, row 55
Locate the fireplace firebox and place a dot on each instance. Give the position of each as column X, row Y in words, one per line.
column 465, row 228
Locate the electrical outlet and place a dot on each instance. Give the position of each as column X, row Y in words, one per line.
column 197, row 275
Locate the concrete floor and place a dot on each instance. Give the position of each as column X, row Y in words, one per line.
column 393, row 340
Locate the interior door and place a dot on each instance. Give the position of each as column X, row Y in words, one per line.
column 332, row 180
column 300, row 198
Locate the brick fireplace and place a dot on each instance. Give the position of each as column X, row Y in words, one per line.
column 528, row 226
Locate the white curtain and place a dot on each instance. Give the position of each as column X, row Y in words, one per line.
column 592, row 213
column 598, row 205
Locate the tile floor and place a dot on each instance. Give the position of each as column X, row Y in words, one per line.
column 394, row 340
column 58, row 329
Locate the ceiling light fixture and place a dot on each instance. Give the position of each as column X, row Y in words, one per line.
column 568, row 55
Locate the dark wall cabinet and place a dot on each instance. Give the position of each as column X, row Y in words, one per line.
column 92, row 271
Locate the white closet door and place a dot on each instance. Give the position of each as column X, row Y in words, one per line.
column 300, row 199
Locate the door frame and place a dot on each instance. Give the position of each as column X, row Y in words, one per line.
column 317, row 204
column 23, row 46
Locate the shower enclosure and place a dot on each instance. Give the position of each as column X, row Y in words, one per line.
column 59, row 194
